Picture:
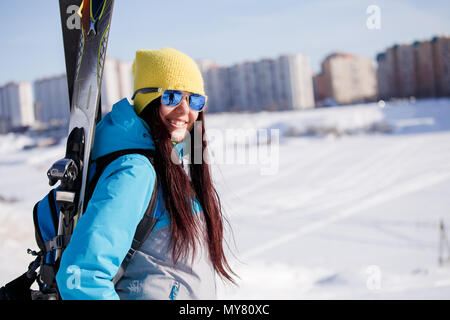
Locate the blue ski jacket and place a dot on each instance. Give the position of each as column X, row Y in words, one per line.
column 103, row 235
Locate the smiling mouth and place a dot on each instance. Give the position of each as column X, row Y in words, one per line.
column 178, row 124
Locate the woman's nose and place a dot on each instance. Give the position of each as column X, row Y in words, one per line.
column 184, row 104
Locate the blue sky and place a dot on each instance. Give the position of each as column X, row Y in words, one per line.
column 229, row 31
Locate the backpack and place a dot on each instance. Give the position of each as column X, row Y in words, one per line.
column 46, row 217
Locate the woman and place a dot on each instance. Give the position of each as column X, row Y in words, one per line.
column 180, row 258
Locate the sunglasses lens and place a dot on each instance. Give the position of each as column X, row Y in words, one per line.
column 196, row 102
column 171, row 98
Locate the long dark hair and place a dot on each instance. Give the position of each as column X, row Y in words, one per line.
column 179, row 193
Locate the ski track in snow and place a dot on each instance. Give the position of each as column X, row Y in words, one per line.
column 388, row 194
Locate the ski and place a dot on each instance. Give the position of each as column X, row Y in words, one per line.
column 84, row 77
column 71, row 31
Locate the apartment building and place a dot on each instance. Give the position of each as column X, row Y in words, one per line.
column 16, row 106
column 117, row 82
column 347, row 78
column 424, row 67
column 420, row 69
column 284, row 83
column 51, row 100
column 296, row 82
column 441, row 63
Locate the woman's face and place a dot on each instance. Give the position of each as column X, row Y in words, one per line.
column 178, row 120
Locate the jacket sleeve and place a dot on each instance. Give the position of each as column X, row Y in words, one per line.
column 103, row 235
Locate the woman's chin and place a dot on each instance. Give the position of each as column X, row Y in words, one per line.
column 178, row 135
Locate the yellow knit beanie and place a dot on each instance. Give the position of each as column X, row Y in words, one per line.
column 164, row 68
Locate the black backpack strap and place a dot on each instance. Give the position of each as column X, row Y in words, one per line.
column 102, row 162
column 147, row 223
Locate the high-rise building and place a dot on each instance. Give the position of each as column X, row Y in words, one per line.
column 269, row 84
column 251, row 85
column 319, row 85
column 51, row 101
column 348, row 78
column 217, row 88
column 421, row 69
column 266, row 84
column 16, row 106
column 424, row 68
column 295, row 83
column 238, row 88
column 5, row 111
column 126, row 82
column 386, row 75
column 405, row 71
column 117, row 82
column 441, row 63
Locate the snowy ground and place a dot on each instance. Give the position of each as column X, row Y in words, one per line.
column 346, row 206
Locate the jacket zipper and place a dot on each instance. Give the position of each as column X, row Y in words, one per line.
column 174, row 291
